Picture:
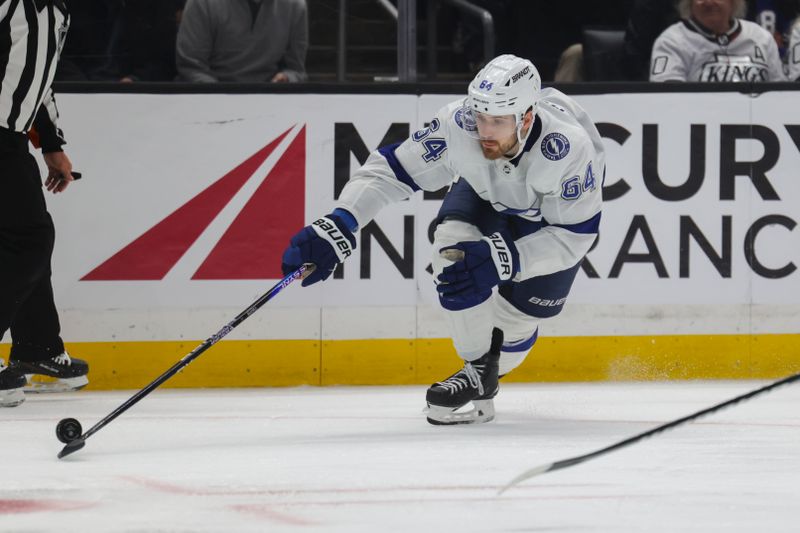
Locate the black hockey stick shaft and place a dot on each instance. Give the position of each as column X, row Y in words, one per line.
column 188, row 358
column 558, row 465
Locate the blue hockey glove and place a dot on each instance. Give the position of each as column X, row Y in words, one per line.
column 484, row 264
column 325, row 242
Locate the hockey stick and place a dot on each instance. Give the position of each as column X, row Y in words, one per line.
column 69, row 429
column 558, row 465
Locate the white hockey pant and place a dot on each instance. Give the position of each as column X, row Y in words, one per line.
column 471, row 329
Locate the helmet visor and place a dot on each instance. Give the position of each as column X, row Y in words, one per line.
column 487, row 127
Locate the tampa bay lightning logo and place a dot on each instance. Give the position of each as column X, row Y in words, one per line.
column 465, row 119
column 555, row 146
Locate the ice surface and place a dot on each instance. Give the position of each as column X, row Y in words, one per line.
column 365, row 459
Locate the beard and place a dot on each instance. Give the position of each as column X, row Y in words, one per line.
column 495, row 149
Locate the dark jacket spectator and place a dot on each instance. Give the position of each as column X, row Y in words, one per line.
column 775, row 16
column 648, row 18
column 86, row 49
column 142, row 43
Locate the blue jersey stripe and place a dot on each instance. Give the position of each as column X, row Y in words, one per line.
column 399, row 172
column 588, row 226
column 522, row 346
column 347, row 217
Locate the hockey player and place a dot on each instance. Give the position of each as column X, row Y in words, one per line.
column 520, row 215
column 712, row 44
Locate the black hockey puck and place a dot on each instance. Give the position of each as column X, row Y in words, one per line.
column 68, row 430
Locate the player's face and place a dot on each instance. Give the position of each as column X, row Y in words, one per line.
column 713, row 14
column 498, row 134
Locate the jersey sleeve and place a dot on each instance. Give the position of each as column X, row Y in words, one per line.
column 570, row 213
column 776, row 72
column 669, row 61
column 394, row 172
column 793, row 54
column 48, row 135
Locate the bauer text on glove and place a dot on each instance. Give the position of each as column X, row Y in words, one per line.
column 326, row 242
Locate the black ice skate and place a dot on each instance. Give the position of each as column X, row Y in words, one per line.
column 474, row 384
column 59, row 374
column 11, row 384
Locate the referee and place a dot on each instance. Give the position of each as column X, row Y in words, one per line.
column 32, row 34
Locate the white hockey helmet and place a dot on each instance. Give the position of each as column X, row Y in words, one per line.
column 507, row 85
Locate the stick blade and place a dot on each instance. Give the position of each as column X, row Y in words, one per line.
column 72, row 447
column 533, row 472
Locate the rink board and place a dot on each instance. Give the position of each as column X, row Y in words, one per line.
column 132, row 365
column 188, row 201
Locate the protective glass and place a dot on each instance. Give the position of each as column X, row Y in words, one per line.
column 486, row 127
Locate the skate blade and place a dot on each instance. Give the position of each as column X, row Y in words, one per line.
column 11, row 398
column 479, row 412
column 39, row 384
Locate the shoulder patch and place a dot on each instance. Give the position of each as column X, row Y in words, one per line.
column 555, row 146
column 465, row 121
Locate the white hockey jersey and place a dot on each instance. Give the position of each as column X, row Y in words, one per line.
column 793, row 53
column 557, row 179
column 687, row 52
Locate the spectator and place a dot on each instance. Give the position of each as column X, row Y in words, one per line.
column 713, row 43
column 243, row 41
column 570, row 65
column 793, row 53
column 142, row 43
column 648, row 18
column 565, row 39
column 86, row 49
column 776, row 16
column 469, row 38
